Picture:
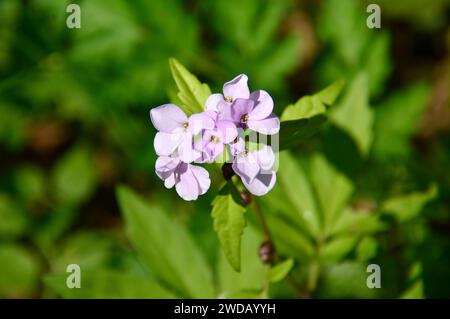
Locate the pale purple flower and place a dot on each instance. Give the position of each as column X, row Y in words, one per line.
column 255, row 113
column 213, row 140
column 176, row 131
column 190, row 180
column 237, row 88
column 255, row 168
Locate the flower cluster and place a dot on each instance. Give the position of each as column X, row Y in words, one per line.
column 202, row 137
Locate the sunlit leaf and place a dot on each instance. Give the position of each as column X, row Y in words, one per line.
column 406, row 207
column 229, row 223
column 354, row 115
column 165, row 247
column 191, row 92
column 280, row 271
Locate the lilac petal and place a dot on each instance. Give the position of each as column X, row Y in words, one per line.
column 238, row 147
column 246, row 167
column 200, row 121
column 165, row 166
column 225, row 112
column 213, row 101
column 165, row 143
column 187, row 186
column 241, row 107
column 227, row 131
column 202, row 177
column 263, row 105
column 266, row 157
column 167, row 117
column 170, row 181
column 261, row 184
column 217, row 149
column 237, row 88
column 268, row 126
column 186, row 150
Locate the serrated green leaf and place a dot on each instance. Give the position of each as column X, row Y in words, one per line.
column 304, row 118
column 354, row 115
column 191, row 92
column 280, row 271
column 250, row 279
column 229, row 223
column 332, row 189
column 165, row 247
column 338, row 248
column 299, row 191
column 406, row 207
column 329, row 95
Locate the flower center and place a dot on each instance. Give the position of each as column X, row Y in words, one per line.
column 229, row 99
column 185, row 125
column 244, row 118
column 244, row 153
column 214, row 139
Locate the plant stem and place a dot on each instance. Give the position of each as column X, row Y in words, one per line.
column 262, row 220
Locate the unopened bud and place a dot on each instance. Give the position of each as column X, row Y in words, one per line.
column 227, row 171
column 246, row 197
column 266, row 252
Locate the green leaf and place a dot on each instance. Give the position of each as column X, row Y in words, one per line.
column 397, row 119
column 192, row 93
column 332, row 188
column 74, row 177
column 329, row 95
column 19, row 271
column 336, row 249
column 30, row 182
column 304, row 118
column 108, row 284
column 229, row 223
column 250, row 279
column 345, row 280
column 354, row 222
column 354, row 115
column 165, row 247
column 299, row 191
column 280, row 271
column 367, row 249
column 14, row 222
column 406, row 207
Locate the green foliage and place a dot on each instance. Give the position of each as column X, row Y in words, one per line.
column 20, row 271
column 353, row 46
column 396, row 120
column 354, row 114
column 304, row 118
column 73, row 178
column 280, row 271
column 406, row 207
column 229, row 222
column 14, row 222
column 362, row 174
column 249, row 282
column 165, row 247
column 191, row 92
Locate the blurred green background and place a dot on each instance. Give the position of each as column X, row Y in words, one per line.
column 74, row 124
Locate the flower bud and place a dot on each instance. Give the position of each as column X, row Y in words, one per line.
column 266, row 252
column 227, row 171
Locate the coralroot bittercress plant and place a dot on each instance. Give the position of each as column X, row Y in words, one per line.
column 232, row 128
